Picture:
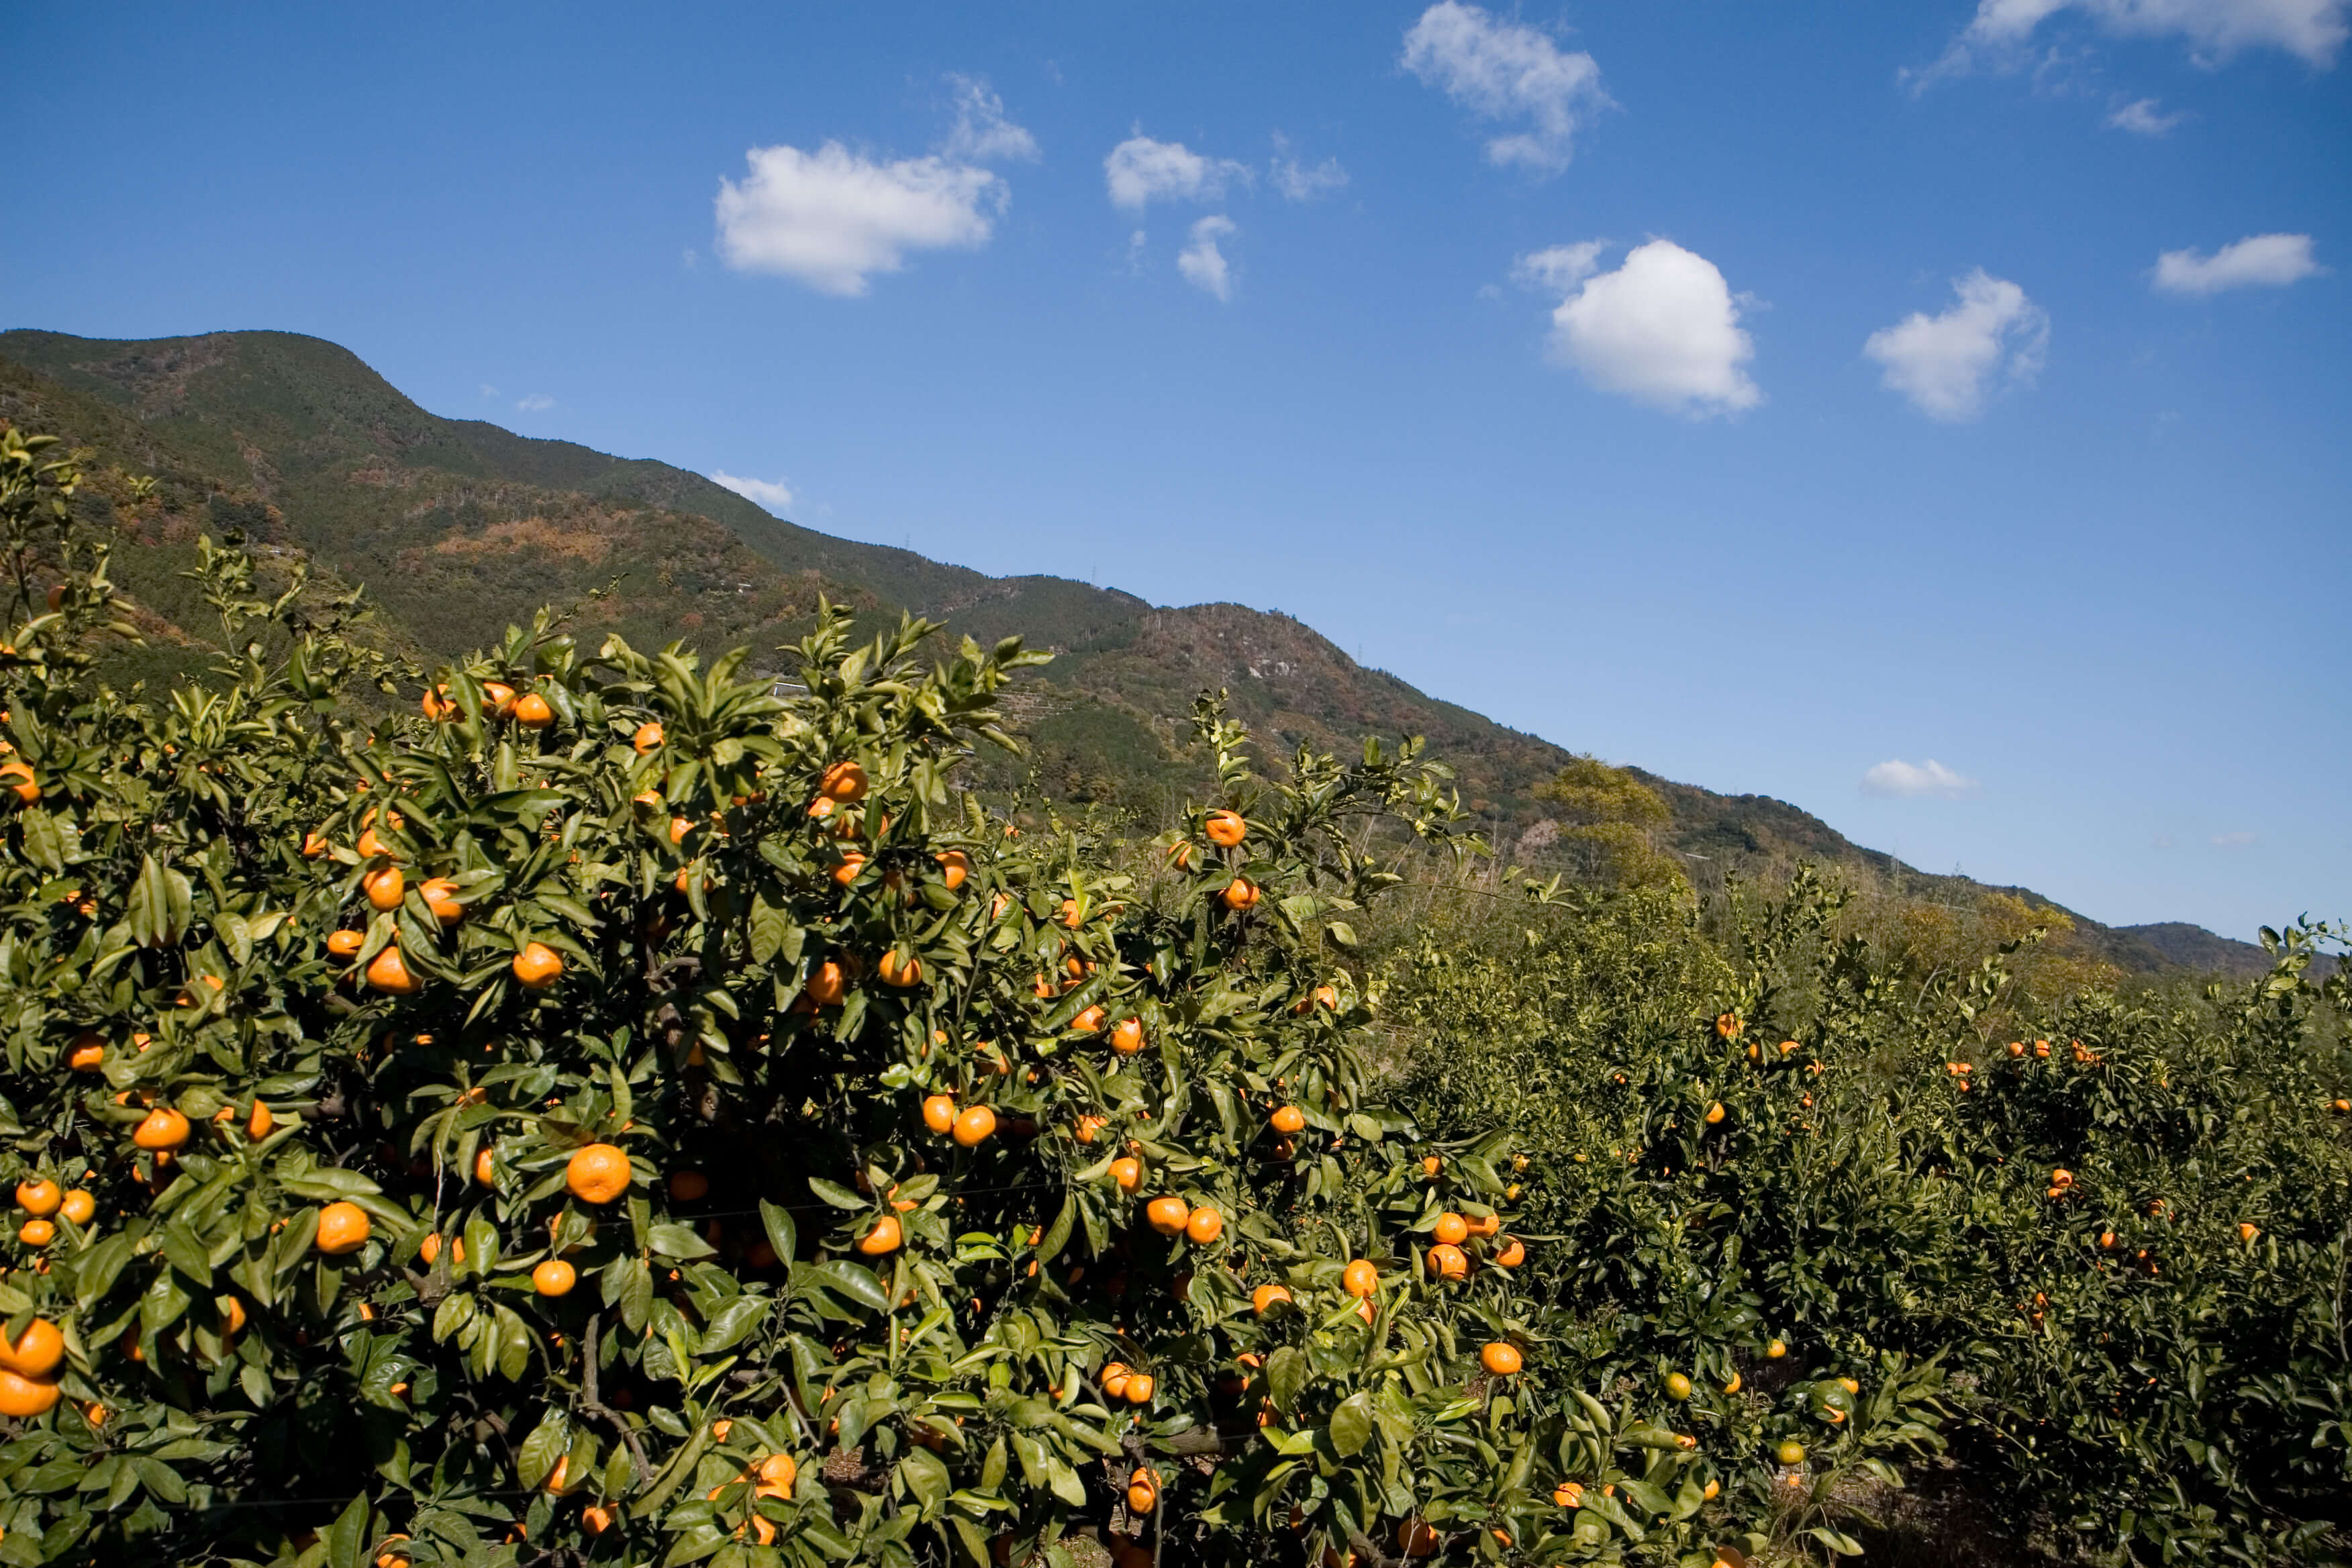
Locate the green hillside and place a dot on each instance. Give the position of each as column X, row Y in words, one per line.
column 457, row 527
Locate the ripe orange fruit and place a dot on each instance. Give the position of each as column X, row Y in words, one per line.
column 537, row 965
column 900, row 973
column 1484, row 1225
column 1090, row 1021
column 1142, row 1492
column 882, row 1239
column 384, row 887
column 1452, row 1229
column 1127, row 1172
column 955, row 866
column 258, row 1121
column 1139, row 1386
column 1569, row 1494
column 596, row 1518
column 438, row 705
column 827, row 984
column 1113, row 1379
column 498, row 697
column 1431, row 1166
column 1776, row 1350
column 1714, row 1114
column 1204, row 1227
column 776, row 1474
column 1734, row 1385
column 532, row 711
column 1089, row 1126
column 486, row 1167
column 343, row 1227
column 1415, row 1539
column 39, row 1198
column 78, row 1207
column 1449, row 1262
column 1126, row 1037
column 1225, row 828
column 345, row 943
column 388, row 971
column 440, row 895
column 22, row 1398
column 939, row 1113
column 314, row 845
column 1241, row 894
column 1728, row 1026
column 1287, row 1119
column 597, row 1174
column 974, row 1125
column 1360, row 1278
column 1266, row 1296
column 1513, row 1254
column 688, row 1186
column 2061, row 1179
column 165, row 1128
column 89, row 1054
column 1168, row 1214
column 844, row 781
column 29, row 791
column 555, row 1278
column 37, row 1351
column 37, row 1233
column 2248, row 1230
column 648, row 737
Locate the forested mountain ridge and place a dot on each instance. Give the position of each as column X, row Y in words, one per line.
column 457, row 527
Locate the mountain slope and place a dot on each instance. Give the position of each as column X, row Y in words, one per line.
column 459, row 526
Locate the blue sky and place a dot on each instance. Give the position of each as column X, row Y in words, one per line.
column 1785, row 399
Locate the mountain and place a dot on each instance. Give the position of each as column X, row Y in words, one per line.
column 458, row 527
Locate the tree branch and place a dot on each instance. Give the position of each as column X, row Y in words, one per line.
column 596, row 1407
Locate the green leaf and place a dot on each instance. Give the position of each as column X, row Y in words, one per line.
column 1351, row 1424
column 1285, row 1374
column 777, row 1223
column 671, row 1239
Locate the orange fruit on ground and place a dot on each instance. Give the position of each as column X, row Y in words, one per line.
column 939, row 1113
column 345, row 943
column 555, row 1278
column 597, row 1174
column 1287, row 1119
column 1452, row 1229
column 537, row 965
column 900, row 973
column 21, row 1398
column 532, row 711
column 688, row 1186
column 1204, row 1227
column 1168, row 1214
column 1449, row 1262
column 843, row 781
column 883, row 1239
column 777, row 1473
column 1126, row 1037
column 647, row 737
column 1127, row 1172
column 37, row 1351
column 163, row 1129
column 388, row 971
column 1241, row 893
column 40, row 1198
column 1500, row 1359
column 1266, row 1296
column 1513, row 1254
column 89, row 1054
column 974, row 1125
column 1225, row 828
column 1360, row 1278
column 343, row 1227
column 440, row 895
column 78, row 1207
column 384, row 887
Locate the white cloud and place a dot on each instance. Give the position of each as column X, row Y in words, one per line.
column 2143, row 118
column 534, row 403
column 1943, row 364
column 831, row 218
column 2232, row 840
column 1508, row 71
column 2274, row 260
column 2311, row 30
column 1202, row 263
column 1301, row 182
column 1663, row 328
column 1907, row 780
column 773, row 494
column 1139, row 170
column 982, row 132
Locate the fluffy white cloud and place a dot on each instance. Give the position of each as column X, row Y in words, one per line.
column 534, row 403
column 1663, row 328
column 1202, row 264
column 2311, row 29
column 1303, row 183
column 2143, row 118
column 1140, row 170
column 1904, row 779
column 2274, row 260
column 773, row 494
column 1508, row 71
column 980, row 131
column 831, row 218
column 1943, row 364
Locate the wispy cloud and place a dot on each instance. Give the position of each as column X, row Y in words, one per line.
column 1140, row 170
column 2311, row 30
column 1202, row 264
column 1301, row 182
column 2238, row 840
column 982, row 132
column 773, row 494
column 1944, row 363
column 1911, row 780
column 534, row 403
column 2142, row 117
column 2270, row 261
column 489, row 390
column 1508, row 71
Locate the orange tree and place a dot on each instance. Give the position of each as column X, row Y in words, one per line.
column 1843, row 1221
column 601, row 1110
